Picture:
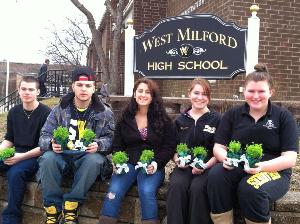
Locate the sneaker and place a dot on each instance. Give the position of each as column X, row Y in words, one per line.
column 53, row 216
column 70, row 213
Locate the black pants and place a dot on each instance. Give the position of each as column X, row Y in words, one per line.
column 43, row 89
column 254, row 193
column 187, row 200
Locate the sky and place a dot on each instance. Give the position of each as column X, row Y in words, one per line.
column 25, row 25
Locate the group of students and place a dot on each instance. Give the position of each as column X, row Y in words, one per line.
column 195, row 195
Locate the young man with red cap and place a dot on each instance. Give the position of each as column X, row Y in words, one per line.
column 78, row 110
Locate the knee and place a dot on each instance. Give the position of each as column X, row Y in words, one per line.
column 92, row 160
column 115, row 192
column 15, row 174
column 215, row 175
column 47, row 159
column 254, row 203
column 178, row 185
column 250, row 195
column 198, row 187
column 50, row 162
column 147, row 191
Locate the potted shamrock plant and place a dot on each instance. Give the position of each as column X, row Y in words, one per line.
column 87, row 138
column 120, row 159
column 61, row 136
column 253, row 155
column 234, row 153
column 7, row 153
column 199, row 153
column 146, row 158
column 183, row 152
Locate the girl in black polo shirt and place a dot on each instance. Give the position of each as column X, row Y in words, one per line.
column 187, row 201
column 261, row 122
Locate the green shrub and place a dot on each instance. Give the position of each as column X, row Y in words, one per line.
column 61, row 136
column 254, row 151
column 119, row 157
column 199, row 152
column 182, row 149
column 7, row 153
column 234, row 147
column 147, row 156
column 88, row 137
column 254, row 154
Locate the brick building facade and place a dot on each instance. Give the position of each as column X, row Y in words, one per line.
column 279, row 45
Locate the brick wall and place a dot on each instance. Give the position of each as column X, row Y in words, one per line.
column 279, row 39
column 279, row 43
column 147, row 13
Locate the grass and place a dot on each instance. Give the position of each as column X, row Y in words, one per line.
column 51, row 102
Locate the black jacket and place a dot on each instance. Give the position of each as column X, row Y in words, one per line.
column 200, row 133
column 127, row 138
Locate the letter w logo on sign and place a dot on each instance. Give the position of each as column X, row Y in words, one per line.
column 185, row 50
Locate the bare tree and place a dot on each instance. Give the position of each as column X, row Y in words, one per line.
column 109, row 62
column 68, row 45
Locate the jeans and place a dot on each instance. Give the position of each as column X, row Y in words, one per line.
column 53, row 166
column 147, row 188
column 17, row 176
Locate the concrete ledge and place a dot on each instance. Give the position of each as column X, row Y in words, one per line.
column 89, row 212
column 285, row 210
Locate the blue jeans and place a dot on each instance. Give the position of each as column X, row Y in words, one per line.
column 147, row 188
column 17, row 176
column 53, row 166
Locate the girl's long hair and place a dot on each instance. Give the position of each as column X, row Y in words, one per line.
column 157, row 116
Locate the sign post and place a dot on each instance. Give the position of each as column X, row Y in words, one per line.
column 129, row 58
column 7, row 78
column 252, row 40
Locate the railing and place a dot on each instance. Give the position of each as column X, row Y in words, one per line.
column 8, row 102
column 57, row 84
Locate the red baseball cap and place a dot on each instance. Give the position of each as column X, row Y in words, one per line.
column 83, row 73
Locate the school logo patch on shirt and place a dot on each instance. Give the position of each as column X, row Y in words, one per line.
column 270, row 125
column 183, row 128
column 209, row 129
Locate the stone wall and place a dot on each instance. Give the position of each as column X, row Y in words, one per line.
column 285, row 210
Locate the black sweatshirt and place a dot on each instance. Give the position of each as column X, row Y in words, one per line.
column 127, row 138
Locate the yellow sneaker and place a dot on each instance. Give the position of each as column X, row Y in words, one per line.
column 70, row 213
column 52, row 215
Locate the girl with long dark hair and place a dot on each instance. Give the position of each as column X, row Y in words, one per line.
column 144, row 125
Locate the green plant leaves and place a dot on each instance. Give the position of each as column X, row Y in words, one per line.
column 147, row 156
column 182, row 149
column 119, row 157
column 88, row 136
column 7, row 153
column 61, row 133
column 199, row 152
